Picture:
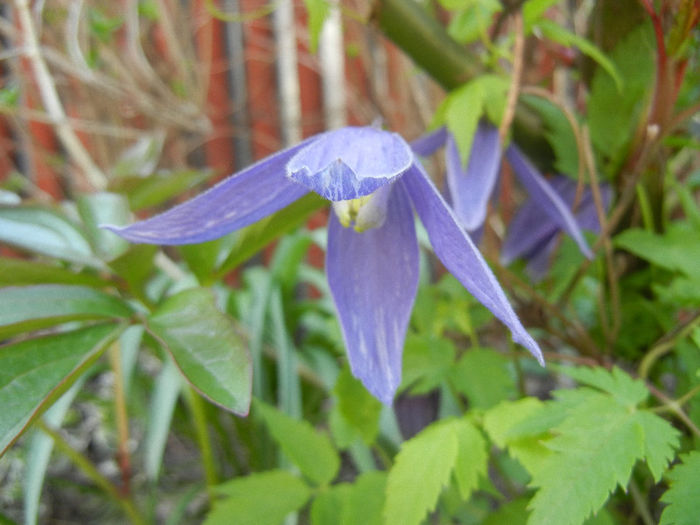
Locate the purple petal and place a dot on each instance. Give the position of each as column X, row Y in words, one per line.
column 543, row 193
column 237, row 201
column 459, row 255
column 471, row 189
column 350, row 162
column 373, row 278
column 430, row 142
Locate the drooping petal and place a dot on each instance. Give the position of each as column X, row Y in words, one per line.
column 350, row 162
column 373, row 277
column 471, row 188
column 235, row 202
column 543, row 193
column 430, row 142
column 529, row 230
column 459, row 255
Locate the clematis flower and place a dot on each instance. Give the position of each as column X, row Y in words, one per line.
column 374, row 183
column 470, row 188
column 532, row 234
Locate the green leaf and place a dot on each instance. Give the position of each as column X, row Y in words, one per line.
column 678, row 249
column 566, row 38
column 166, row 391
column 613, row 113
column 422, row 468
column 263, row 498
column 472, row 457
column 559, row 134
column 482, row 376
column 251, row 239
column 318, row 12
column 660, row 442
column 307, row 448
column 25, row 308
column 158, row 188
column 534, row 9
column 595, row 450
column 358, row 407
column 366, row 500
column 35, row 372
column 18, row 272
column 427, row 361
column 683, row 497
column 46, row 232
column 206, row 347
column 328, row 507
column 474, row 20
column 626, row 390
column 104, row 208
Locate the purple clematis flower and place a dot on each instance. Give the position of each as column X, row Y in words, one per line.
column 532, row 234
column 374, row 183
column 471, row 187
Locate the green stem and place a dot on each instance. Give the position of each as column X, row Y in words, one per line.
column 196, row 405
column 665, row 345
column 84, row 464
column 123, row 458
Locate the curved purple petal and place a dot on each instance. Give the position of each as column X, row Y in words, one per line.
column 350, row 162
column 235, row 202
column 459, row 255
column 430, row 142
column 471, row 188
column 530, row 229
column 543, row 193
column 373, row 277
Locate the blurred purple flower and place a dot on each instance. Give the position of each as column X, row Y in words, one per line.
column 373, row 181
column 532, row 235
column 470, row 188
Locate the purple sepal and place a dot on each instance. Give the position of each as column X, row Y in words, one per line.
column 235, row 202
column 544, row 195
column 459, row 255
column 373, row 277
column 471, row 188
column 429, row 143
column 350, row 162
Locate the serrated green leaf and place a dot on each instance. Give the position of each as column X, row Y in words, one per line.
column 512, row 513
column 25, row 308
column 358, row 407
column 464, row 107
column 304, row 446
column 473, row 21
column 19, row 272
column 472, row 457
column 482, row 376
column 660, row 442
column 501, row 419
column 683, row 497
column 429, row 457
column 318, row 12
column 263, row 498
column 626, row 390
column 595, row 450
column 206, row 347
column 35, row 372
column 46, row 232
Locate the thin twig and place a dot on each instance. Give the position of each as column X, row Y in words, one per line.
column 123, row 458
column 666, row 344
column 518, row 59
column 49, row 95
column 674, row 408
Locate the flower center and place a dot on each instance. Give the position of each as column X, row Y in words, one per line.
column 364, row 213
